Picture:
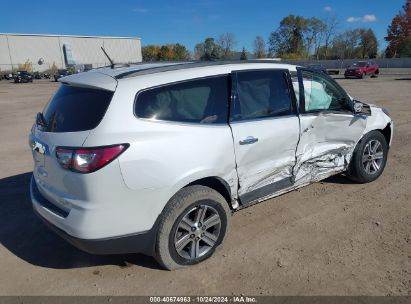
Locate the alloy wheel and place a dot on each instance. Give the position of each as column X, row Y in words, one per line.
column 197, row 232
column 373, row 156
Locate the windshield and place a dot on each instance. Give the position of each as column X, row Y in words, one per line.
column 62, row 71
column 359, row 64
column 75, row 109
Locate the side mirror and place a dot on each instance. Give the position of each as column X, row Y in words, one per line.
column 357, row 107
column 360, row 108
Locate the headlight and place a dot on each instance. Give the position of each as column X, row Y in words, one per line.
column 386, row 112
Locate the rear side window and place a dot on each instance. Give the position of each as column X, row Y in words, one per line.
column 261, row 94
column 74, row 109
column 195, row 101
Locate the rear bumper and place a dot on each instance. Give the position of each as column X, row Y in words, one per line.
column 143, row 242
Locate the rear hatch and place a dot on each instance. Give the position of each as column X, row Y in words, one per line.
column 78, row 106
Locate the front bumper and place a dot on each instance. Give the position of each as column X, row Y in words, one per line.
column 134, row 243
column 352, row 73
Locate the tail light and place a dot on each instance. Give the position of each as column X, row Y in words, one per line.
column 86, row 160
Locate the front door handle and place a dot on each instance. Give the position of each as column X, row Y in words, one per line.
column 249, row 140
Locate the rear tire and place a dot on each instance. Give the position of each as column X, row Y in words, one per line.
column 191, row 227
column 369, row 158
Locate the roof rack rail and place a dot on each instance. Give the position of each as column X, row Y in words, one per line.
column 180, row 65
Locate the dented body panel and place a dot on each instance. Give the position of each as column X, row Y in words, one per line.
column 326, row 144
column 271, row 158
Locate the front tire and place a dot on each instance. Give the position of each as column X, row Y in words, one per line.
column 191, row 227
column 369, row 158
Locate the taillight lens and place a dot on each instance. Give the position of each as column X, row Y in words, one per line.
column 64, row 156
column 88, row 160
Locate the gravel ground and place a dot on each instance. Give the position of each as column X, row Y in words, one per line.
column 329, row 238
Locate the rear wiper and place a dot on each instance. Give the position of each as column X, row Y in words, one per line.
column 40, row 120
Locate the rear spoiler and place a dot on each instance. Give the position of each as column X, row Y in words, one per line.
column 91, row 79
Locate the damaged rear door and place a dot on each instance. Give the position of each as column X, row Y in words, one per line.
column 329, row 129
column 265, row 130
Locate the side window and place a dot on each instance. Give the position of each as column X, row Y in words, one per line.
column 322, row 93
column 195, row 101
column 261, row 94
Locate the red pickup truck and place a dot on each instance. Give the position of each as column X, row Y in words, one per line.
column 361, row 69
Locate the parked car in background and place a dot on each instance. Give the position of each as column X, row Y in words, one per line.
column 323, row 69
column 318, row 68
column 8, row 76
column 61, row 73
column 362, row 69
column 36, row 75
column 225, row 136
column 333, row 71
column 23, row 76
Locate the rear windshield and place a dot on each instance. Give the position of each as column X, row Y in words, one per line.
column 75, row 109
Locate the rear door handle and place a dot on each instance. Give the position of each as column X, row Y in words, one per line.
column 248, row 141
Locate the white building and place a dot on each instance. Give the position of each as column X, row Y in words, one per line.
column 64, row 50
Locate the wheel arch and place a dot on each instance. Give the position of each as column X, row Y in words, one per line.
column 216, row 183
column 386, row 131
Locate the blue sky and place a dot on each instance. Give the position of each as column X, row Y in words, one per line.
column 187, row 22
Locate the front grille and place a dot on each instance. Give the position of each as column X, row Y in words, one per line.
column 46, row 203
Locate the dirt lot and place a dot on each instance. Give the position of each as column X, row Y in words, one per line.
column 330, row 238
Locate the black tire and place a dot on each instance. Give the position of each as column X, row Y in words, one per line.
column 175, row 215
column 357, row 170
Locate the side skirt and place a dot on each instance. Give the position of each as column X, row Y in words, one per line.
column 279, row 188
column 260, row 194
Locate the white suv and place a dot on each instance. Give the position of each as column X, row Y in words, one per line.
column 154, row 158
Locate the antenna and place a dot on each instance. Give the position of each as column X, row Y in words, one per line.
column 108, row 57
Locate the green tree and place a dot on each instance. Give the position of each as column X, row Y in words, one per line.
column 208, row 50
column 150, row 52
column 288, row 38
column 368, row 47
column 405, row 49
column 180, row 52
column 243, row 55
column 166, row 53
column 296, row 36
